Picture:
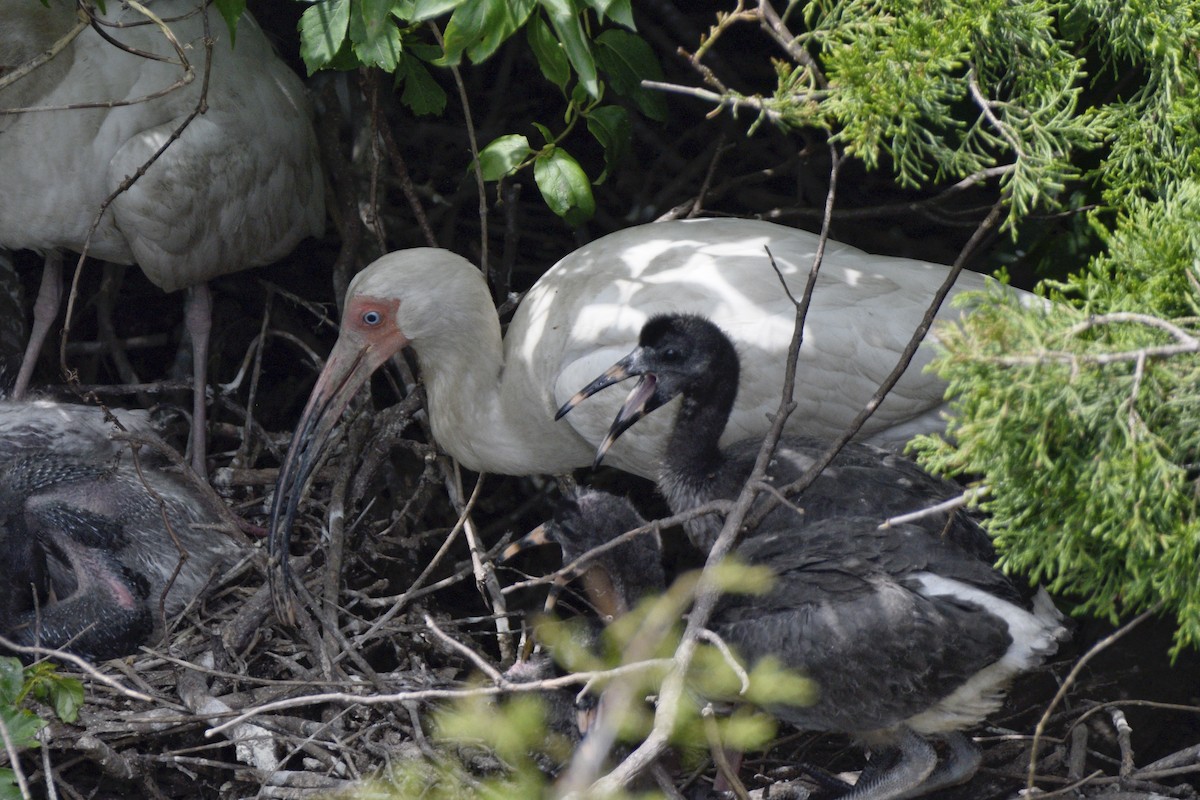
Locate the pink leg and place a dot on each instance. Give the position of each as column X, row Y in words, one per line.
column 45, row 310
column 198, row 318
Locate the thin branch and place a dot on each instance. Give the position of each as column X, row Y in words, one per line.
column 1069, row 681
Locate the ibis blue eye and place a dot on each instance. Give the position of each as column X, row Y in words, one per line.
column 372, row 318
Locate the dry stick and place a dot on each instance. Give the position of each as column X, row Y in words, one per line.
column 14, row 760
column 574, row 679
column 335, row 555
column 406, row 183
column 90, row 21
column 17, row 73
column 730, row 100
column 484, row 570
column 241, row 458
column 47, row 765
column 370, row 210
column 79, row 663
column 673, row 690
column 479, row 661
column 1095, row 650
column 476, row 168
column 775, row 27
column 1124, row 741
column 656, row 526
column 910, row 350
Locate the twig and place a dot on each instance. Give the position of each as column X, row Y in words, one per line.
column 1095, row 650
column 952, row 503
column 1124, row 741
column 574, row 679
column 14, row 760
column 81, row 664
column 476, row 167
column 728, row 99
column 716, row 641
column 910, row 350
column 479, row 661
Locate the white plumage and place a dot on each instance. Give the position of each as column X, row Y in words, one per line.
column 492, row 402
column 240, row 187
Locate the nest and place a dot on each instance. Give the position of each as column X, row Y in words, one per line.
column 399, row 600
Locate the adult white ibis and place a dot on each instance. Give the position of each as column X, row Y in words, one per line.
column 91, row 541
column 905, row 635
column 491, row 401
column 240, row 187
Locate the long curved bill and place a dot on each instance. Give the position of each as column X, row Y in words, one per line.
column 535, row 538
column 350, row 365
column 640, row 402
column 637, row 405
column 614, row 374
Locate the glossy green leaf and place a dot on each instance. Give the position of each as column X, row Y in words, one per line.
column 22, row 726
column 65, row 694
column 231, row 11
column 549, row 52
column 478, row 27
column 12, row 680
column 323, row 28
column 544, row 131
column 568, row 26
column 8, row 785
column 503, row 155
column 611, row 127
column 375, row 36
column 421, row 92
column 628, row 60
column 619, row 11
column 421, row 10
column 564, row 186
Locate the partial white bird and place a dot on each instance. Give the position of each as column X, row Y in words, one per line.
column 491, row 402
column 240, row 187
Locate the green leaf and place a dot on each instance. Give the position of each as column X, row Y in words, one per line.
column 505, row 17
column 544, row 131
column 568, row 26
column 375, row 35
column 503, row 155
column 421, row 10
column 564, row 186
column 628, row 60
column 478, row 27
column 66, row 695
column 323, row 29
column 619, row 11
column 12, row 680
column 549, row 52
column 231, row 11
column 22, row 725
column 421, row 92
column 611, row 127
column 8, row 785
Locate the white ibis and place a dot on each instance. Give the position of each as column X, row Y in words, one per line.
column 240, row 187
column 491, row 402
column 91, row 541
